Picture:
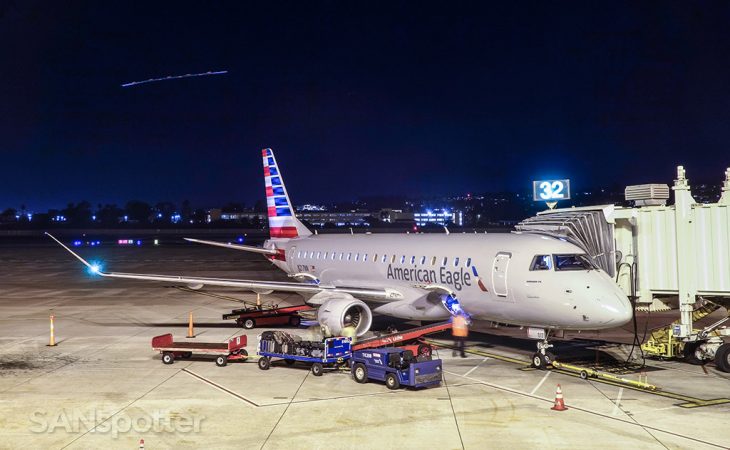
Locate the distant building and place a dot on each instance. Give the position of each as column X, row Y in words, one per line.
column 394, row 216
column 442, row 217
column 338, row 219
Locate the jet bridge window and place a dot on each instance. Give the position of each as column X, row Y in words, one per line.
column 573, row 262
column 542, row 262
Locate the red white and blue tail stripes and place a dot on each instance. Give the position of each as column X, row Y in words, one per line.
column 282, row 222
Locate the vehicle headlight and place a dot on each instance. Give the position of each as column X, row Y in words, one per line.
column 418, row 371
column 438, row 367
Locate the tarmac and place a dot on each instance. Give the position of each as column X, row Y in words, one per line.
column 102, row 386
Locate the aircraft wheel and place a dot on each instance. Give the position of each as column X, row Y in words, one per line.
column 537, row 361
column 360, row 373
column 264, row 363
column 391, row 381
column 722, row 357
column 221, row 361
column 167, row 358
column 317, row 369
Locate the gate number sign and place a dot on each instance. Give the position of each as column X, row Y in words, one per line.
column 551, row 190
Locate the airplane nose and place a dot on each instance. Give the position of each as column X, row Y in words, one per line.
column 626, row 309
column 617, row 309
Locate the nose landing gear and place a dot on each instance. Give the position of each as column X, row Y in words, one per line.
column 542, row 357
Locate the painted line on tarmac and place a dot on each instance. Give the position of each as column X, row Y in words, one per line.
column 687, row 401
column 475, row 367
column 219, row 387
column 617, row 406
column 540, row 383
column 585, row 410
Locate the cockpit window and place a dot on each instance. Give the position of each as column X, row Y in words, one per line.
column 542, row 262
column 573, row 262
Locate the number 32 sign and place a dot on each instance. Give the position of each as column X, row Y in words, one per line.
column 550, row 190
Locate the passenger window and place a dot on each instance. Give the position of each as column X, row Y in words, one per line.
column 311, row 254
column 542, row 262
column 357, row 257
column 299, row 254
column 365, row 258
column 423, row 260
column 318, row 254
column 403, row 259
column 433, row 261
column 456, row 262
column 375, row 257
column 333, row 255
column 392, row 259
column 413, row 259
column 468, row 262
column 349, row 256
column 325, row 255
column 446, row 259
column 342, row 255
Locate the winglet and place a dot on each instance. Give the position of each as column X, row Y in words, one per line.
column 92, row 267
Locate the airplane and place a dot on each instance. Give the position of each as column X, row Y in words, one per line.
column 522, row 279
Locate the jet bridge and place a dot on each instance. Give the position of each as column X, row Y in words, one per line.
column 663, row 256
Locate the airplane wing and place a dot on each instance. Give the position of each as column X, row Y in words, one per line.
column 251, row 285
column 246, row 248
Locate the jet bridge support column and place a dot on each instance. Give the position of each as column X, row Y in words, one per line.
column 684, row 235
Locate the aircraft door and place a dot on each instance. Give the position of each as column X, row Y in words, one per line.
column 499, row 273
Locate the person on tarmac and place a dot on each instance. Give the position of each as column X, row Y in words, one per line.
column 460, row 331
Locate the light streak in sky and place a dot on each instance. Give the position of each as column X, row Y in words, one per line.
column 175, row 77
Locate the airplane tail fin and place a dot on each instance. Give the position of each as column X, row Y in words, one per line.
column 282, row 221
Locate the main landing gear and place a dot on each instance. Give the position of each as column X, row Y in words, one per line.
column 542, row 357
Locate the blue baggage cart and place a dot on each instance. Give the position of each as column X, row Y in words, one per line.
column 332, row 353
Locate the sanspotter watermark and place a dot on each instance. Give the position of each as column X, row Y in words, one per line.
column 72, row 421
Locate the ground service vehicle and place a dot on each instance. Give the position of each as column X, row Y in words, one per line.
column 331, row 353
column 396, row 366
column 251, row 317
column 231, row 351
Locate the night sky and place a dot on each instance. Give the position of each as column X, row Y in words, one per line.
column 356, row 98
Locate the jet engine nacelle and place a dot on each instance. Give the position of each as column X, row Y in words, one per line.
column 340, row 310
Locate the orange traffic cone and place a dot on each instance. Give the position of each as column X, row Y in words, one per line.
column 559, row 403
column 191, row 332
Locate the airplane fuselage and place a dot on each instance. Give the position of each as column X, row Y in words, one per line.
column 491, row 275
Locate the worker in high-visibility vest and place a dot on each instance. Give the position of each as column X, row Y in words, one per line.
column 460, row 330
